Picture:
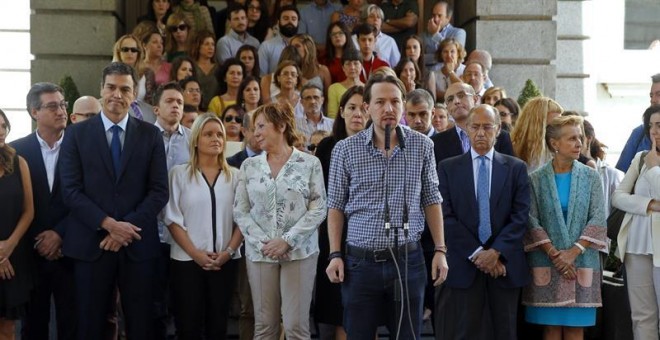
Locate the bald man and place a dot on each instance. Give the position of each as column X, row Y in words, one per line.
column 460, row 99
column 484, row 58
column 85, row 107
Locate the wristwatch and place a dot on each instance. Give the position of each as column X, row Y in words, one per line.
column 231, row 251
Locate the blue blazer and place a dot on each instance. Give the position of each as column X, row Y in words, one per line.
column 49, row 209
column 93, row 192
column 509, row 210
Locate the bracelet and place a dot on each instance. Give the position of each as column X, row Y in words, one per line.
column 334, row 255
column 581, row 247
column 441, row 249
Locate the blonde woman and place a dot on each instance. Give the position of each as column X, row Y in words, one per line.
column 129, row 50
column 528, row 137
column 493, row 95
column 199, row 216
column 566, row 231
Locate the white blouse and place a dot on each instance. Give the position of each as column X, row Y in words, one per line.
column 639, row 237
column 191, row 206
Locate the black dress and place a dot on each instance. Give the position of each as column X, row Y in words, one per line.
column 327, row 302
column 15, row 292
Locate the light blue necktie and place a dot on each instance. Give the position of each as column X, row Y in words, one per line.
column 115, row 148
column 483, row 197
column 465, row 141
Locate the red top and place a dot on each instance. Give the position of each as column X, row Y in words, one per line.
column 369, row 66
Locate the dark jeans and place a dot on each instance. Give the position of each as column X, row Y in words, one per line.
column 370, row 298
column 200, row 299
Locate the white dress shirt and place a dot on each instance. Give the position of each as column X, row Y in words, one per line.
column 50, row 157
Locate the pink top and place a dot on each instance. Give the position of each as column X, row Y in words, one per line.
column 163, row 74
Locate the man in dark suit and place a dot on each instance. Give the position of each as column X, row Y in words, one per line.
column 46, row 105
column 251, row 148
column 460, row 99
column 114, row 180
column 485, row 250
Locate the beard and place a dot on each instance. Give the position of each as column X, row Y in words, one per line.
column 288, row 30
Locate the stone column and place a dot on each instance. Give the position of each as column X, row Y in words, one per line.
column 73, row 37
column 520, row 35
column 572, row 41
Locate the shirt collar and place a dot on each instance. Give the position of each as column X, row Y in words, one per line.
column 45, row 145
column 489, row 154
column 237, row 36
column 107, row 123
column 179, row 129
column 458, row 129
column 370, row 133
column 250, row 152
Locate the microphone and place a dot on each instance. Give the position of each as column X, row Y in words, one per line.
column 388, row 132
column 399, row 136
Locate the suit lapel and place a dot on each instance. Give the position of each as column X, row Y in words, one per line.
column 98, row 133
column 498, row 178
column 130, row 140
column 467, row 182
column 40, row 169
column 455, row 142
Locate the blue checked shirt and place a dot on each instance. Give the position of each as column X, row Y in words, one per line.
column 356, row 187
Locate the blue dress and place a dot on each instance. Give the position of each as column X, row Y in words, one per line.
column 562, row 316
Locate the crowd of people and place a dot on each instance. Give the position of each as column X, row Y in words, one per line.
column 325, row 161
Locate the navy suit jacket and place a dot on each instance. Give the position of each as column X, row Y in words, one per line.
column 509, row 211
column 93, row 192
column 237, row 159
column 447, row 144
column 49, row 209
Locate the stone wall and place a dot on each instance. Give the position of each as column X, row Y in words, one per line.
column 73, row 37
column 520, row 35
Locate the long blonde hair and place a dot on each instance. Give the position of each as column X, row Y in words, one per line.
column 528, row 136
column 197, row 127
column 139, row 62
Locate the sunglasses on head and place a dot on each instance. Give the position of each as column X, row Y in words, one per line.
column 237, row 119
column 130, row 49
column 181, row 27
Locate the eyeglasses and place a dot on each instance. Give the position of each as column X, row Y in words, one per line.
column 237, row 119
column 85, row 114
column 311, row 147
column 309, row 98
column 336, row 34
column 486, row 127
column 460, row 96
column 191, row 91
column 181, row 27
column 129, row 49
column 53, row 107
column 504, row 113
column 254, row 8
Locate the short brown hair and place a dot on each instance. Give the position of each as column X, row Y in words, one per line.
column 281, row 66
column 280, row 114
